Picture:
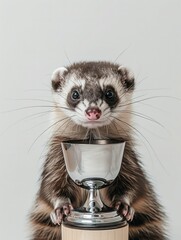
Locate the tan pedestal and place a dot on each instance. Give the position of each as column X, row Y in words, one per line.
column 81, row 234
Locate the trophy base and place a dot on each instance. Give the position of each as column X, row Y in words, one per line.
column 70, row 233
column 99, row 220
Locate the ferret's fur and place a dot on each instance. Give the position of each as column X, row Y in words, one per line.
column 107, row 87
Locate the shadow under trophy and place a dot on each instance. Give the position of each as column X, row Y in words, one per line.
column 93, row 165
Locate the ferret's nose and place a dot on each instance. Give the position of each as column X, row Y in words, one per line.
column 93, row 113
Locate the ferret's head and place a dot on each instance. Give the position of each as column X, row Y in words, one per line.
column 92, row 94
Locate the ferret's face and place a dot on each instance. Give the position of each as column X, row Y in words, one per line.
column 92, row 94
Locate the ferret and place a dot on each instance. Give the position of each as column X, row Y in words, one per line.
column 93, row 100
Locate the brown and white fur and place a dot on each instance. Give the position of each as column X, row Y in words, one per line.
column 93, row 100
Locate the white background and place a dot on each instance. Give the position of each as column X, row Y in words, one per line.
column 38, row 36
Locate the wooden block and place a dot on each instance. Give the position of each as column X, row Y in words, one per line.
column 81, row 234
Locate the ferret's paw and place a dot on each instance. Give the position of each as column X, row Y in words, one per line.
column 61, row 209
column 125, row 210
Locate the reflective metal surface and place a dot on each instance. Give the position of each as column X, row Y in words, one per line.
column 103, row 220
column 98, row 159
column 93, row 165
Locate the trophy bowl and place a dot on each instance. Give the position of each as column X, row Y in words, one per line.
column 93, row 165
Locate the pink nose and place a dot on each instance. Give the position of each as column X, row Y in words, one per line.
column 93, row 113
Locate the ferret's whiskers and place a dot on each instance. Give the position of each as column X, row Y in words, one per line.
column 33, row 99
column 65, row 124
column 86, row 134
column 66, row 55
column 130, row 100
column 31, row 116
column 121, row 53
column 106, row 130
column 98, row 133
column 37, row 90
column 106, row 112
column 137, row 114
column 123, row 131
column 136, row 131
column 52, row 125
column 34, row 107
column 149, row 98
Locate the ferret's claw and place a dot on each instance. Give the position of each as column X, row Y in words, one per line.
column 125, row 210
column 59, row 213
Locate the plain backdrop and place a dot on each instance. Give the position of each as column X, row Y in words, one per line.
column 38, row 36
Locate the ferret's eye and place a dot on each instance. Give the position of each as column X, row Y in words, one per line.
column 109, row 94
column 75, row 95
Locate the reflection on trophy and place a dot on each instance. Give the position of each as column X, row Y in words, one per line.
column 93, row 165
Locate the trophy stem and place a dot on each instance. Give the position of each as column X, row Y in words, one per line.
column 93, row 202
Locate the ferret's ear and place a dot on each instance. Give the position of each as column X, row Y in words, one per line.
column 127, row 78
column 58, row 77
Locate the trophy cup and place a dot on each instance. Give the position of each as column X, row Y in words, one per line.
column 93, row 165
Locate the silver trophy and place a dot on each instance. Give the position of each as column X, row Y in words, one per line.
column 93, row 165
